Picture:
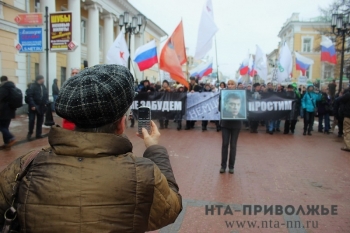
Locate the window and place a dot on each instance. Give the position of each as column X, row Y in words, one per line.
column 328, row 71
column 36, row 70
column 83, row 31
column 37, row 6
column 100, row 37
column 307, row 45
column 63, row 75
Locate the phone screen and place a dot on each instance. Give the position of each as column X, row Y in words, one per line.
column 144, row 120
column 144, row 114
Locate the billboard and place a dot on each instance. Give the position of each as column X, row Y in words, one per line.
column 61, row 32
column 30, row 40
column 29, row 19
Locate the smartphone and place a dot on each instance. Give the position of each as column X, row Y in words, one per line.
column 144, row 120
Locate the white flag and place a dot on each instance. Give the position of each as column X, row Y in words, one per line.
column 285, row 63
column 206, row 31
column 260, row 64
column 118, row 53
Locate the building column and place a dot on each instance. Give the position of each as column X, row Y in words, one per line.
column 137, row 43
column 108, row 33
column 93, row 34
column 51, row 4
column 74, row 57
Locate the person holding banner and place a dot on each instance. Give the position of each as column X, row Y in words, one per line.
column 230, row 131
column 308, row 104
column 164, row 122
column 194, row 87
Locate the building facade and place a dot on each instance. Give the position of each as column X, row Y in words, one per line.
column 94, row 28
column 304, row 37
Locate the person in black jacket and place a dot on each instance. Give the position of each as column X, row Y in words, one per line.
column 37, row 98
column 193, row 87
column 230, row 131
column 6, row 113
column 55, row 92
column 147, row 87
column 292, row 119
column 345, row 100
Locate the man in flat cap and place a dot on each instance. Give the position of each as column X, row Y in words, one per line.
column 89, row 180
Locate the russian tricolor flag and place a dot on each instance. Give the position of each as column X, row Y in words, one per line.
column 302, row 63
column 244, row 68
column 203, row 69
column 328, row 51
column 146, row 55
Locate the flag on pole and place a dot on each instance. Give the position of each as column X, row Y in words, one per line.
column 146, row 55
column 206, row 31
column 118, row 53
column 302, row 63
column 203, row 69
column 179, row 43
column 244, row 67
column 173, row 55
column 328, row 51
column 260, row 63
column 285, row 62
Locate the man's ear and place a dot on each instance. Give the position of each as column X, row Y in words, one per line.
column 120, row 126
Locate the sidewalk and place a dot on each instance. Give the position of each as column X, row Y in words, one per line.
column 272, row 170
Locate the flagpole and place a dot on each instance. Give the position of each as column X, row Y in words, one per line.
column 133, row 67
column 217, row 63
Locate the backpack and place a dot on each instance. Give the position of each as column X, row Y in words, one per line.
column 16, row 98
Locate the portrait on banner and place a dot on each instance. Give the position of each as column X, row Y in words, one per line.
column 233, row 105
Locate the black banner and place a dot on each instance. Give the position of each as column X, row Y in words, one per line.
column 163, row 105
column 203, row 106
column 269, row 106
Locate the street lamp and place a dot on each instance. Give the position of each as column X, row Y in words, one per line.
column 136, row 26
column 342, row 23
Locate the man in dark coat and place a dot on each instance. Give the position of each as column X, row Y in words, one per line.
column 6, row 113
column 37, row 98
column 193, row 87
column 147, row 87
column 292, row 119
column 254, row 123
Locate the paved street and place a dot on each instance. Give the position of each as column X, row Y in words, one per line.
column 273, row 170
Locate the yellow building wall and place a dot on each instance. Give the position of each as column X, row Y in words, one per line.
column 34, row 58
column 8, row 52
column 314, row 54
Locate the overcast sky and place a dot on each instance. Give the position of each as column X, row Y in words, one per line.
column 242, row 23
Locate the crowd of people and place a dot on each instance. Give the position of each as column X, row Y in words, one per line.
column 311, row 102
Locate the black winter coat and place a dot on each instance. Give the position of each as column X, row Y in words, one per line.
column 295, row 106
column 345, row 102
column 38, row 97
column 6, row 113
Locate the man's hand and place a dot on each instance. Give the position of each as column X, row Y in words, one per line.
column 33, row 108
column 150, row 139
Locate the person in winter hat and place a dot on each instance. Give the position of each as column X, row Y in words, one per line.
column 308, row 104
column 91, row 172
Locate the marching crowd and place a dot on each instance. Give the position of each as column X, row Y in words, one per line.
column 311, row 102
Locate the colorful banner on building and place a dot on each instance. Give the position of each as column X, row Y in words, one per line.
column 205, row 106
column 30, row 40
column 61, row 32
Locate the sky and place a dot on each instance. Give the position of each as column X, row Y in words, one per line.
column 242, row 24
